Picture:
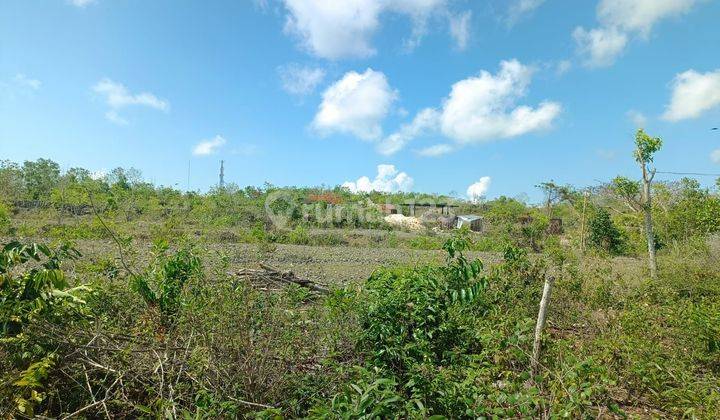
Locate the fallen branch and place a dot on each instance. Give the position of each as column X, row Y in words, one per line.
column 268, row 275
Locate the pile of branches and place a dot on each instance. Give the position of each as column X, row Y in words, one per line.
column 268, row 278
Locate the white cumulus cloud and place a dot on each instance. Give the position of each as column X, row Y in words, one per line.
column 209, row 146
column 460, row 29
column 117, row 97
column 476, row 191
column 424, row 121
column 343, row 29
column 300, row 80
column 388, row 179
column 693, row 94
column 619, row 21
column 356, row 104
column 481, row 109
column 640, row 15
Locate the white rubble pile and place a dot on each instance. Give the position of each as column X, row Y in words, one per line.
column 403, row 222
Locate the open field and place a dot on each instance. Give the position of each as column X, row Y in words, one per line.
column 137, row 301
column 339, row 265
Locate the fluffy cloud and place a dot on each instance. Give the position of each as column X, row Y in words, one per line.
column 637, row 118
column 693, row 93
column 117, row 97
column 600, row 46
column 300, row 80
column 460, row 29
column 520, row 8
column 477, row 191
column 209, row 147
column 425, row 120
column 621, row 19
column 342, row 29
column 356, row 104
column 388, row 179
column 715, row 156
column 640, row 15
column 481, row 109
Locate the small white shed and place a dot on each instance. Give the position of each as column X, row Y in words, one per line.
column 471, row 221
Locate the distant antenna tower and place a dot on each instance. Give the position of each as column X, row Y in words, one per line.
column 222, row 173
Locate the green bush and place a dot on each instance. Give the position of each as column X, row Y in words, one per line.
column 604, row 235
column 34, row 293
column 298, row 236
column 162, row 284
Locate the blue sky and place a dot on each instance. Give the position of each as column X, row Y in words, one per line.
column 502, row 94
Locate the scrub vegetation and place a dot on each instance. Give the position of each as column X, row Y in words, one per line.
column 119, row 298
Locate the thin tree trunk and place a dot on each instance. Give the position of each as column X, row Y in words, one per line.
column 582, row 223
column 542, row 314
column 647, row 209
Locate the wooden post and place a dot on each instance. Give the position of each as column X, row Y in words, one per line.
column 542, row 314
column 582, row 223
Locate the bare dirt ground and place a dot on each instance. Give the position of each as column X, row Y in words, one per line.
column 336, row 264
column 327, row 264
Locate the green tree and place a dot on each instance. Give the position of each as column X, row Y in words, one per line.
column 688, row 209
column 40, row 177
column 637, row 194
column 555, row 193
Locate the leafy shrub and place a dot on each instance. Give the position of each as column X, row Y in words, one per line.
column 34, row 292
column 162, row 283
column 604, row 235
column 299, row 236
column 408, row 317
column 370, row 396
column 531, row 234
column 39, row 292
column 416, row 324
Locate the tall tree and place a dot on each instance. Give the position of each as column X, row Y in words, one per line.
column 555, row 193
column 645, row 149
